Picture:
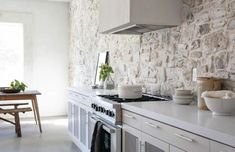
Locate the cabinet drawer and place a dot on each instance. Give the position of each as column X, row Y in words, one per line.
column 76, row 97
column 217, row 147
column 182, row 139
column 131, row 119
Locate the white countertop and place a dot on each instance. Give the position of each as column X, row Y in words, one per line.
column 88, row 91
column 189, row 118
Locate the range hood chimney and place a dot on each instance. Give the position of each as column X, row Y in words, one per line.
column 138, row 16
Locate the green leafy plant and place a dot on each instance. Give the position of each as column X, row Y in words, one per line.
column 105, row 71
column 18, row 85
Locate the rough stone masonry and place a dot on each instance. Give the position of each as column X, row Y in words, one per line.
column 164, row 58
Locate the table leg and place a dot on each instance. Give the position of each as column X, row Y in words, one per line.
column 34, row 111
column 37, row 112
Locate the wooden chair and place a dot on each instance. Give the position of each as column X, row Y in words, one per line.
column 14, row 112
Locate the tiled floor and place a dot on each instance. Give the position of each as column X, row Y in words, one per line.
column 53, row 139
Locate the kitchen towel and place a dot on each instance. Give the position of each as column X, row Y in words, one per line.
column 101, row 139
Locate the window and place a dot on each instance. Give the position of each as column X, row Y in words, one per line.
column 11, row 52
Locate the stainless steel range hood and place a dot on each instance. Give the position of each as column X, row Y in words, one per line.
column 139, row 29
column 138, row 16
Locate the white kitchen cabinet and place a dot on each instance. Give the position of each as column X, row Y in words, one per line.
column 151, row 144
column 159, row 137
column 134, row 140
column 174, row 136
column 131, row 139
column 78, row 121
column 90, row 130
column 131, row 119
column 83, row 127
column 73, row 121
column 218, row 147
column 70, row 117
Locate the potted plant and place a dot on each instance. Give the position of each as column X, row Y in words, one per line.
column 15, row 87
column 104, row 77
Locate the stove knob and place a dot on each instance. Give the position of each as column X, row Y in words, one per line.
column 102, row 109
column 93, row 105
column 111, row 114
column 107, row 112
column 99, row 108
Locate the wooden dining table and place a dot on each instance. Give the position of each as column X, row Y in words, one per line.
column 26, row 95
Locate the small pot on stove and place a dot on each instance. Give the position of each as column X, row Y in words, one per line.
column 129, row 91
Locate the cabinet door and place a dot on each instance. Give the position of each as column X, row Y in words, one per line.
column 130, row 139
column 175, row 149
column 76, row 121
column 71, row 118
column 83, row 126
column 151, row 144
column 90, row 127
column 217, row 147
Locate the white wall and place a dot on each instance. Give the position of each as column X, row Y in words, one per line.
column 46, row 26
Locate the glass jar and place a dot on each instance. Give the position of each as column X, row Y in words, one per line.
column 109, row 83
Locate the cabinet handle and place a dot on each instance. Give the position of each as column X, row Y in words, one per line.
column 128, row 116
column 152, row 125
column 183, row 137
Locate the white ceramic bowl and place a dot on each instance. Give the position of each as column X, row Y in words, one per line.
column 183, row 100
column 181, row 92
column 183, row 97
column 222, row 107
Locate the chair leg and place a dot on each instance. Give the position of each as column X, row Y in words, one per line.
column 17, row 124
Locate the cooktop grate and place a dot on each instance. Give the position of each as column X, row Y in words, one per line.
column 144, row 98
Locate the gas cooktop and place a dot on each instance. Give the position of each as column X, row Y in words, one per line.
column 143, row 99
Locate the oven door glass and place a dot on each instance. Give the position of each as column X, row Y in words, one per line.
column 111, row 136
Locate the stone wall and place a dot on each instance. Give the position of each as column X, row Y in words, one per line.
column 164, row 58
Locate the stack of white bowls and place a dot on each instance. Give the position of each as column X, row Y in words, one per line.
column 183, row 97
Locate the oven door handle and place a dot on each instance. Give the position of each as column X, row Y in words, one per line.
column 105, row 126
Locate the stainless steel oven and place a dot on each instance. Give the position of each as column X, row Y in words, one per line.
column 112, row 132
